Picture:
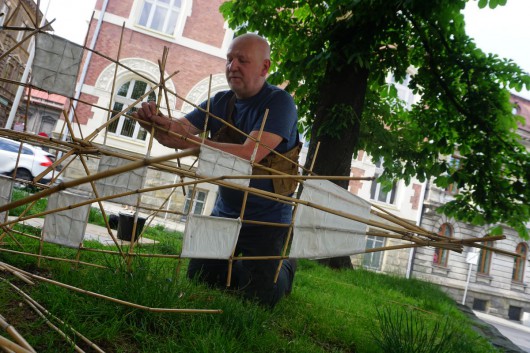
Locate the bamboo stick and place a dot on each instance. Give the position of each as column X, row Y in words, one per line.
column 97, row 176
column 37, row 307
column 6, row 267
column 5, row 343
column 122, row 302
column 23, row 40
column 15, row 335
column 118, row 55
column 102, row 209
column 111, row 252
column 51, row 258
column 55, row 328
column 206, row 118
column 314, row 158
column 286, row 244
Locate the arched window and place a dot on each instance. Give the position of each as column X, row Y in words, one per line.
column 442, row 255
column 127, row 94
column 519, row 262
column 484, row 260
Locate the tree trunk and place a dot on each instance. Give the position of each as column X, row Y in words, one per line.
column 345, row 87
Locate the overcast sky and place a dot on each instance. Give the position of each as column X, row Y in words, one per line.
column 498, row 31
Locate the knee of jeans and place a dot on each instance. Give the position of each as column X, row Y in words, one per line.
column 193, row 271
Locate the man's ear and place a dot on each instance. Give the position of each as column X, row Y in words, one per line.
column 266, row 67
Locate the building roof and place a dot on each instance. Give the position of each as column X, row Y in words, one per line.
column 45, row 98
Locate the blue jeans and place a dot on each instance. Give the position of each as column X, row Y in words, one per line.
column 253, row 278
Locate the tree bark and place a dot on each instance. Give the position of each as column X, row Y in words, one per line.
column 345, row 87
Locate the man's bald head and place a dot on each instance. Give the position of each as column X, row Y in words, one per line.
column 248, row 62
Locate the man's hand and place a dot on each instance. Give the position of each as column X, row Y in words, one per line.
column 148, row 117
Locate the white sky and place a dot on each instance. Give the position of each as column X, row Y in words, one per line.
column 498, row 31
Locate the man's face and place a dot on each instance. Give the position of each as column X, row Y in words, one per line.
column 246, row 67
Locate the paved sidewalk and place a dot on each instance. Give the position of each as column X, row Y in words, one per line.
column 92, row 232
column 101, row 234
column 500, row 320
column 516, row 332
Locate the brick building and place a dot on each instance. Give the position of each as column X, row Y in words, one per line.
column 15, row 14
column 197, row 38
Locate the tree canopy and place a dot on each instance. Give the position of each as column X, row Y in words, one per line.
column 335, row 56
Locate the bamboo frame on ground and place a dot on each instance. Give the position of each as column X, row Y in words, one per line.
column 83, row 146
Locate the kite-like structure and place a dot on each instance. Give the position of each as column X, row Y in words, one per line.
column 328, row 221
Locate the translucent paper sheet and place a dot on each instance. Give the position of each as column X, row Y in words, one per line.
column 209, row 237
column 56, row 64
column 6, row 186
column 216, row 163
column 319, row 234
column 123, row 182
column 65, row 227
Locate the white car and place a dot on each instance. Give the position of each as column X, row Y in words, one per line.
column 33, row 161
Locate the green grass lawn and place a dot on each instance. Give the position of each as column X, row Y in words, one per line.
column 328, row 310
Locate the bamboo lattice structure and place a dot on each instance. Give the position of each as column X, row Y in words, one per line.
column 80, row 148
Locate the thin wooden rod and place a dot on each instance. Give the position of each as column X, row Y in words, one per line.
column 101, row 208
column 4, row 342
column 43, row 310
column 61, row 333
column 206, row 118
column 23, row 40
column 122, row 302
column 286, row 244
column 52, row 258
column 407, row 225
column 113, row 87
column 19, row 339
column 395, row 219
column 111, row 252
column 313, row 160
column 97, row 176
column 14, row 271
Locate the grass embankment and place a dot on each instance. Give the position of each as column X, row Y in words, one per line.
column 328, row 311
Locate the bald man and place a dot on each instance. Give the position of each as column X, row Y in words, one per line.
column 244, row 105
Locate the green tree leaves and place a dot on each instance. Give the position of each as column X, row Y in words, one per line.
column 335, row 56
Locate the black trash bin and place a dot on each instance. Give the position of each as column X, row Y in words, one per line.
column 125, row 226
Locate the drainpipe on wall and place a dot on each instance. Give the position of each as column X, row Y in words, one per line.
column 423, row 196
column 85, row 65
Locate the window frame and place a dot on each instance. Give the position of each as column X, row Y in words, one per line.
column 196, row 202
column 519, row 263
column 158, row 4
column 376, row 188
column 373, row 260
column 441, row 255
column 120, row 102
column 484, row 260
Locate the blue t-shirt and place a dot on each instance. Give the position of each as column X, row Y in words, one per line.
column 247, row 116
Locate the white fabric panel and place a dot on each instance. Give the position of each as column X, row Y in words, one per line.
column 6, row 187
column 319, row 234
column 65, row 227
column 120, row 183
column 209, row 237
column 216, row 163
column 56, row 64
